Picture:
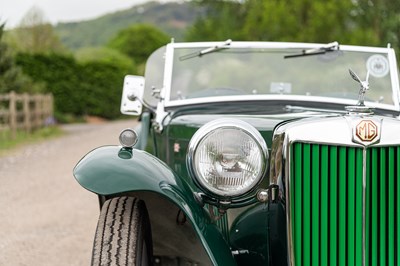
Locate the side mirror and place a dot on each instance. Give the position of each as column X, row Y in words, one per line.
column 132, row 95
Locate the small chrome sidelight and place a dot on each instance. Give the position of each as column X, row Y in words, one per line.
column 128, row 138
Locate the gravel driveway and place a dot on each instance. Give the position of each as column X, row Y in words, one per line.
column 46, row 217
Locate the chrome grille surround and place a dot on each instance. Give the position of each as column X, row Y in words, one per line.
column 331, row 131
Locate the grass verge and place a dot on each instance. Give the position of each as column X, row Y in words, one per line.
column 7, row 143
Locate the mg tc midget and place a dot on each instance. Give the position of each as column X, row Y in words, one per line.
column 253, row 153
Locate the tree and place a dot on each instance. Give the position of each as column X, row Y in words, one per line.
column 11, row 77
column 378, row 20
column 35, row 35
column 221, row 20
column 360, row 22
column 302, row 20
column 107, row 56
column 139, row 41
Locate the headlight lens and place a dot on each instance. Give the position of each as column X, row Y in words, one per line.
column 227, row 157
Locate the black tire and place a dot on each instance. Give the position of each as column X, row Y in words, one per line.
column 123, row 234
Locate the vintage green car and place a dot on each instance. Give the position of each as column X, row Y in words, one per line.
column 253, row 153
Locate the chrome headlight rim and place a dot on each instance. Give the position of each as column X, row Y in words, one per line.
column 208, row 129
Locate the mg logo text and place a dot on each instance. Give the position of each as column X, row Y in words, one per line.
column 366, row 130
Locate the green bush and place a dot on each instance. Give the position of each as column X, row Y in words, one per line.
column 92, row 88
column 105, row 55
column 139, row 41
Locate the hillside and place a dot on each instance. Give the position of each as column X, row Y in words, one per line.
column 173, row 18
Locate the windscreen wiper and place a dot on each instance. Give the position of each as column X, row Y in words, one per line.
column 209, row 50
column 333, row 46
column 310, row 109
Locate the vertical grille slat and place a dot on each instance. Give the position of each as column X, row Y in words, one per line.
column 382, row 207
column 351, row 203
column 397, row 206
column 327, row 198
column 333, row 217
column 368, row 202
column 342, row 210
column 374, row 207
column 391, row 205
column 324, row 207
column 359, row 208
column 315, row 201
column 297, row 211
column 307, row 205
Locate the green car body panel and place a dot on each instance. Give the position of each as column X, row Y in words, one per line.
column 111, row 170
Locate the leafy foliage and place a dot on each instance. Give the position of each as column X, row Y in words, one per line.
column 107, row 56
column 378, row 20
column 35, row 35
column 361, row 22
column 303, row 20
column 91, row 83
column 11, row 76
column 139, row 41
column 92, row 88
column 221, row 20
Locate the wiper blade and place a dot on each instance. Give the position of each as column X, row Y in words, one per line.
column 209, row 50
column 333, row 46
column 319, row 110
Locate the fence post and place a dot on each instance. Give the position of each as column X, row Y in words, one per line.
column 36, row 111
column 27, row 114
column 51, row 105
column 13, row 114
column 25, row 111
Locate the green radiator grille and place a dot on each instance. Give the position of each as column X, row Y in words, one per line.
column 326, row 191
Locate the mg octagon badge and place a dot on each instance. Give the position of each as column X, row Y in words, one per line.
column 366, row 132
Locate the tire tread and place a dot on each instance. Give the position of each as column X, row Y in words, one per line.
column 122, row 223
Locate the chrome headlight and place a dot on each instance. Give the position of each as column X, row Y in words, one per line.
column 227, row 157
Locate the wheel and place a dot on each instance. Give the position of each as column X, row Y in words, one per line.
column 123, row 234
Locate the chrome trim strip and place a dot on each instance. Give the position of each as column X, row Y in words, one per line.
column 161, row 114
column 283, row 45
column 169, row 62
column 364, row 232
column 259, row 97
column 394, row 77
column 288, row 204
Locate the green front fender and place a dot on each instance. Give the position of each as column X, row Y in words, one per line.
column 111, row 170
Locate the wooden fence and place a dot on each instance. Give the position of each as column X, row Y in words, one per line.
column 25, row 112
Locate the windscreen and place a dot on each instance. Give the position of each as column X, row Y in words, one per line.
column 154, row 75
column 245, row 71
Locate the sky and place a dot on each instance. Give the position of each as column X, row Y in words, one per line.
column 12, row 11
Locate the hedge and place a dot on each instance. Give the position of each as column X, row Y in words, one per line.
column 91, row 88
